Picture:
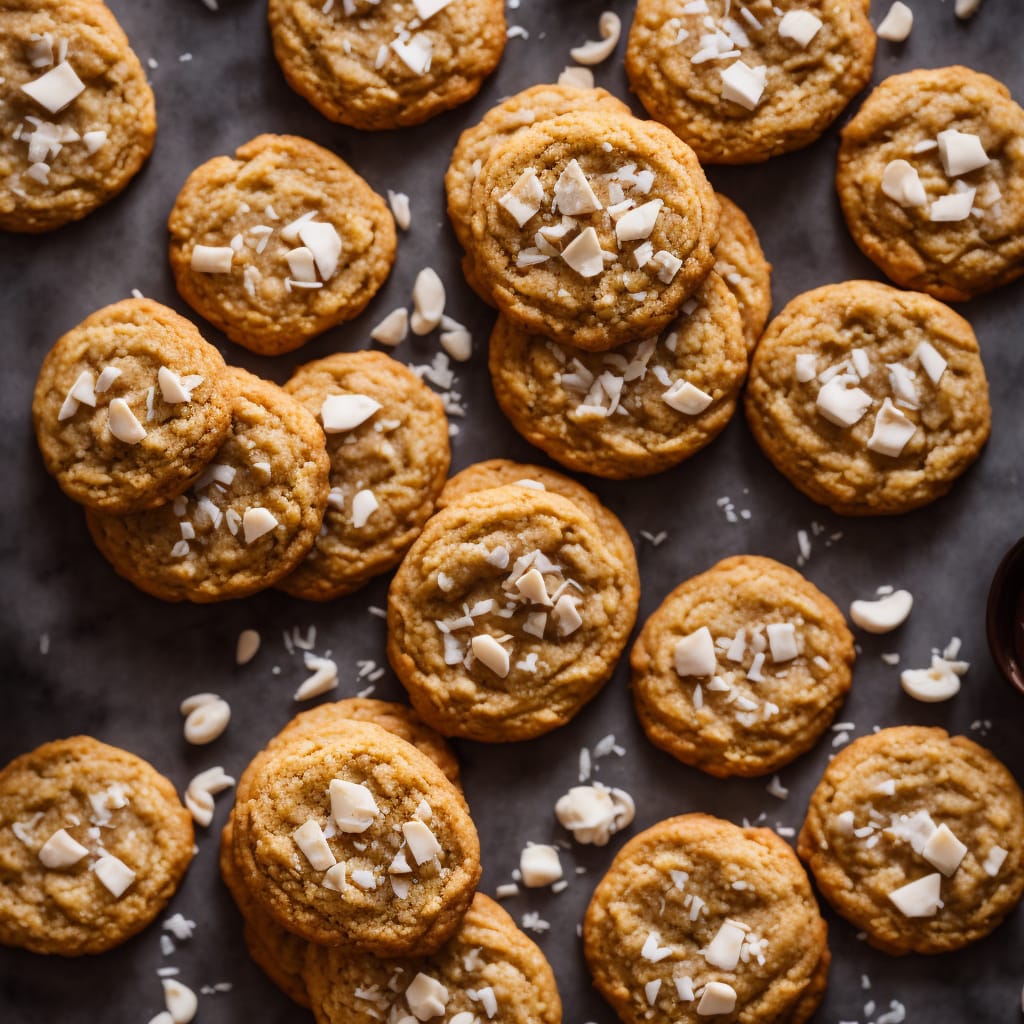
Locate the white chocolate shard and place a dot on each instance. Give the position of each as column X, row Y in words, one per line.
column 401, row 209
column 694, row 655
column 122, row 422
column 717, row 998
column 173, row 389
column 423, row 844
column 782, row 641
column 994, row 861
column 366, row 880
column 393, row 329
column 416, row 54
column 902, row 383
column 524, row 199
column 114, row 875
column 594, row 813
column 181, row 1002
column 637, row 224
column 953, row 207
column 247, row 646
column 83, row 390
column 301, row 265
column 491, row 654
column 902, row 184
column 931, row 362
column 364, row 504
column 920, row 898
column 61, row 850
column 687, row 398
column 652, row 950
column 743, row 85
column 806, row 366
column 960, row 152
column 584, row 254
column 353, row 807
column 668, row 265
column 893, row 430
column 573, row 195
column 207, row 722
column 94, row 141
column 579, row 78
column 426, row 997
column 200, row 793
column 56, row 89
column 531, row 586
column 936, row 684
column 256, row 523
column 944, row 851
column 724, row 949
column 212, row 259
column 800, row 26
column 428, row 299
column 842, row 403
column 567, row 615
column 323, row 680
column 336, row 877
column 324, row 243
column 340, row 413
column 310, row 839
column 458, row 344
column 896, row 25
column 428, row 8
column 596, row 51
column 885, row 614
column 290, row 232
column 539, row 865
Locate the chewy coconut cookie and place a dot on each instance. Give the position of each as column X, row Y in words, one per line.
column 130, row 406
column 871, row 400
column 78, row 114
column 378, row 64
column 279, row 243
column 93, row 844
column 916, row 838
column 249, row 519
column 931, row 180
column 387, row 438
column 699, row 919
column 747, row 81
column 741, row 668
column 741, row 263
column 592, row 228
column 637, row 410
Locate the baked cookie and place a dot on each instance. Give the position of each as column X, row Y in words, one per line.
column 916, row 838
column 592, row 228
column 869, row 399
column 741, row 263
column 931, row 180
column 378, row 64
column 358, row 840
column 698, row 918
column 742, row 89
column 488, row 970
column 130, row 406
column 387, row 438
column 79, row 117
column 93, row 844
column 280, row 243
column 741, row 668
column 640, row 409
column 508, row 614
column 249, row 519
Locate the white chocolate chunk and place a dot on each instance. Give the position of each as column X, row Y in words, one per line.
column 841, row 403
column 353, row 807
column 902, row 184
column 567, row 615
column 595, row 813
column 423, row 844
column 428, row 8
column 56, row 89
column 490, row 653
column 94, row 141
column 668, row 264
column 524, row 199
column 595, row 51
column 83, row 390
column 579, row 78
column 416, row 54
column 400, row 209
column 323, row 680
column 364, row 504
column 638, row 224
column 535, row 624
column 336, row 877
column 931, row 362
column 181, row 1002
column 652, row 950
column 301, row 265
column 893, row 429
column 584, row 255
column 717, row 998
column 885, row 614
column 920, row 898
column 694, row 654
column 960, row 152
column 290, row 232
column 39, row 172
column 531, row 586
column 539, row 865
column 123, row 424
column 256, row 523
column 106, row 378
column 201, row 790
column 366, row 880
column 686, row 398
column 399, row 864
column 393, row 329
column 114, row 875
column 944, row 851
column 247, row 646
column 800, row 26
column 426, row 997
column 724, row 949
column 806, row 367
column 901, row 380
column 915, row 829
column 573, row 194
column 651, row 990
column 782, row 641
column 428, row 299
column 936, row 684
column 61, row 850
column 743, row 85
column 953, row 207
column 212, row 259
column 684, row 988
column 994, row 861
column 309, row 838
column 458, row 344
column 207, row 721
column 896, row 25
column 340, row 413
column 173, row 389
column 324, row 243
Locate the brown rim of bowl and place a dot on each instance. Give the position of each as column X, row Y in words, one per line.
column 1001, row 615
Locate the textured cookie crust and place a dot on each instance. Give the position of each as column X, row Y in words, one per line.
column 400, row 454
column 950, row 260
column 83, row 786
column 677, row 882
column 793, row 704
column 268, row 429
column 806, row 88
column 249, row 203
column 116, row 100
column 832, row 464
column 330, row 57
column 741, row 263
column 622, row 301
column 961, row 786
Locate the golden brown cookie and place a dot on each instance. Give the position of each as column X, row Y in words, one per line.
column 698, row 918
column 592, row 228
column 93, row 844
column 247, row 522
column 130, row 406
column 387, row 438
column 79, row 118
column 637, row 410
column 488, row 970
column 869, row 399
column 279, row 243
column 931, row 180
column 377, row 64
column 741, row 263
column 915, row 838
column 743, row 89
column 741, row 668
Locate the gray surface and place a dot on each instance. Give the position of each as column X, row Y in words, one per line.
column 120, row 662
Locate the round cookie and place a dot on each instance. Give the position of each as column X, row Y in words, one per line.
column 397, row 867
column 969, row 250
column 741, row 668
column 638, row 410
column 561, row 176
column 696, row 911
column 741, row 263
column 143, row 356
column 901, row 367
column 93, row 844
column 280, row 243
column 250, row 518
column 377, row 64
column 779, row 94
column 508, row 614
column 389, row 450
column 92, row 114
column 489, row 969
column 881, row 819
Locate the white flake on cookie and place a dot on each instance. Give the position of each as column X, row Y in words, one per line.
column 892, row 431
column 687, row 398
column 953, row 207
column 309, row 838
column 113, row 874
column 717, row 998
column 61, row 850
column 799, row 26
column 743, row 85
column 920, row 898
column 426, row 997
column 490, row 653
column 960, row 152
column 56, row 88
column 574, row 196
column 994, row 860
column 364, row 504
column 841, row 402
column 341, row 413
column 212, row 259
column 353, row 807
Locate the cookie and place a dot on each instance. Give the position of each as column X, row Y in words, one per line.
column 93, row 844
column 869, row 399
column 592, row 228
column 488, row 970
column 387, row 438
column 698, row 918
column 741, row 263
column 377, row 64
column 931, row 181
column 358, row 840
column 915, row 838
column 279, row 243
column 248, row 521
column 741, row 90
column 634, row 411
column 79, row 117
column 130, row 406
column 508, row 614
column 742, row 668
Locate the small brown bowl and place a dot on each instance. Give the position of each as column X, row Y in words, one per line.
column 1004, row 616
